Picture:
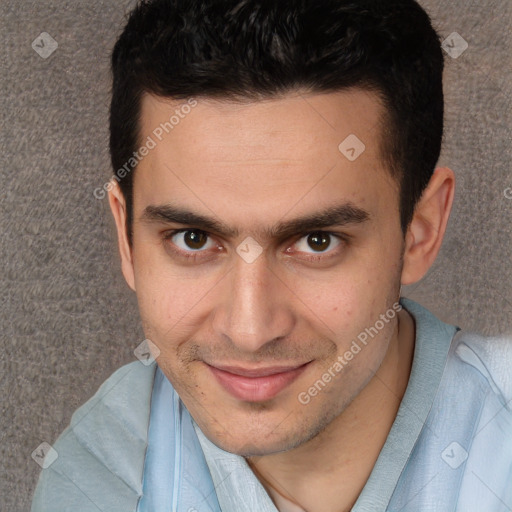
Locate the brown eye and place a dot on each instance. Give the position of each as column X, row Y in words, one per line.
column 192, row 240
column 319, row 241
column 195, row 239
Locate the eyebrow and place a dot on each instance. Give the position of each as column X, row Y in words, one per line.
column 339, row 215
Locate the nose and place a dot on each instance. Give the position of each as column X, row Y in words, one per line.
column 255, row 307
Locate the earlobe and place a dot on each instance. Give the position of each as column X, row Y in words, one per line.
column 118, row 209
column 427, row 228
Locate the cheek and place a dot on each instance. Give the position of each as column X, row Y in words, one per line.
column 346, row 301
column 170, row 305
column 346, row 308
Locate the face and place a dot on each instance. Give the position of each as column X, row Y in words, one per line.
column 260, row 253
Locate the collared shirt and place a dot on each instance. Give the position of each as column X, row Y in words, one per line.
column 133, row 446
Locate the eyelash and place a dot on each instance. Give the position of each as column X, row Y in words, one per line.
column 193, row 256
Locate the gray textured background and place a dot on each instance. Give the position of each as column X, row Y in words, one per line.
column 67, row 318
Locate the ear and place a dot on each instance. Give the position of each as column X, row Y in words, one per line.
column 118, row 207
column 426, row 230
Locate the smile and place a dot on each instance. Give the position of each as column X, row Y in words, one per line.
column 256, row 385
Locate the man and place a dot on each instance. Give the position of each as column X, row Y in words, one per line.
column 274, row 187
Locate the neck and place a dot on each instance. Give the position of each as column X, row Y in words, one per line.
column 329, row 472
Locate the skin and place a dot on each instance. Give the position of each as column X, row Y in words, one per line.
column 250, row 167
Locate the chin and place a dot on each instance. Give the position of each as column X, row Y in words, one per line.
column 254, row 437
column 254, row 447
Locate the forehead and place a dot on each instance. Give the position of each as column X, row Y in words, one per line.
column 239, row 159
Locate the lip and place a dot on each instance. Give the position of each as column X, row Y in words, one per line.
column 257, row 384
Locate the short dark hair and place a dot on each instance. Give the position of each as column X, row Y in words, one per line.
column 255, row 49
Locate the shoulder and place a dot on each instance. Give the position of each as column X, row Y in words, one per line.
column 491, row 357
column 100, row 455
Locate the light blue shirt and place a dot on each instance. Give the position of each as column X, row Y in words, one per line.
column 436, row 456
column 133, row 447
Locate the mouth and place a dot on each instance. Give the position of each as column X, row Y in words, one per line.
column 256, row 384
